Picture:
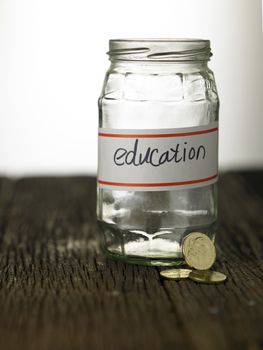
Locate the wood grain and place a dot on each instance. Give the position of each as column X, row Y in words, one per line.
column 57, row 291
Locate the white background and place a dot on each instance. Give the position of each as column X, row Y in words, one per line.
column 52, row 64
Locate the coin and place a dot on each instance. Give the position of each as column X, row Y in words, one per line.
column 207, row 276
column 175, row 274
column 198, row 251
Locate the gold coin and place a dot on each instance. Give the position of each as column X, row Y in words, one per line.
column 175, row 274
column 207, row 276
column 198, row 251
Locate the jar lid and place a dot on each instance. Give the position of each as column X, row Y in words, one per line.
column 178, row 50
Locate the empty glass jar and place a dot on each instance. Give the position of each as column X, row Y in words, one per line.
column 158, row 136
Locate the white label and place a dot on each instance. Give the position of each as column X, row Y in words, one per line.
column 158, row 159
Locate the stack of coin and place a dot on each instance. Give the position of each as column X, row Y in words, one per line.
column 199, row 253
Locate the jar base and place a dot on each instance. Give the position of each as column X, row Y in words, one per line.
column 162, row 248
column 143, row 260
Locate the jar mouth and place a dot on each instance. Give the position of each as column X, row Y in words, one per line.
column 177, row 50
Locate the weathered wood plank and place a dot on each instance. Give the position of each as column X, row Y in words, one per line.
column 57, row 291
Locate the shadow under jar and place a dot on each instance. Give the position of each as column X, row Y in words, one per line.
column 158, row 136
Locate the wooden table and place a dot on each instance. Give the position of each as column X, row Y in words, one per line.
column 57, row 291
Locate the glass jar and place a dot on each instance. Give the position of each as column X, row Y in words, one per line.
column 158, row 136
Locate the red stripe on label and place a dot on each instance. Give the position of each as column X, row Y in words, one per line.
column 179, row 183
column 159, row 135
